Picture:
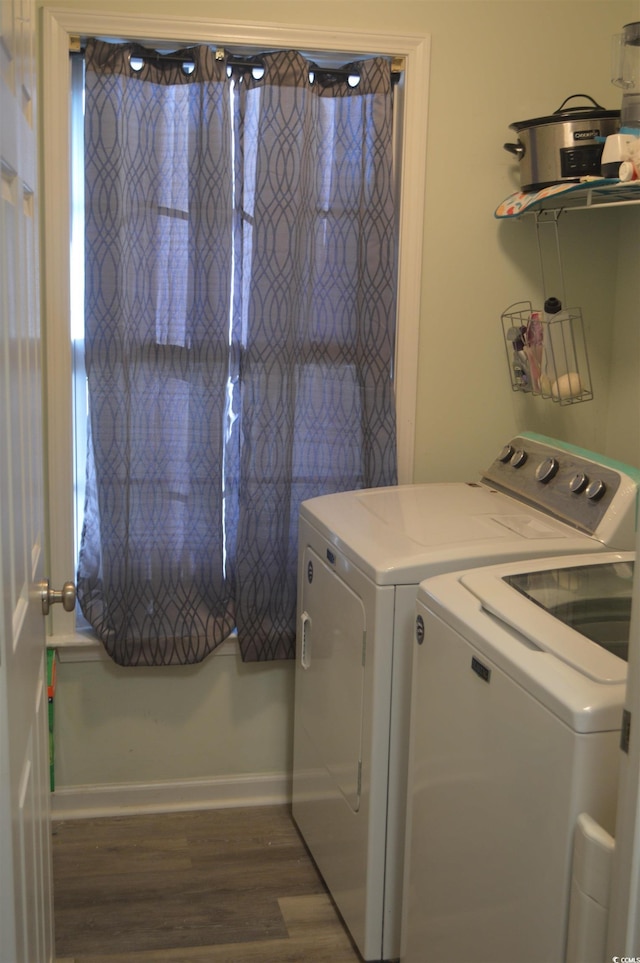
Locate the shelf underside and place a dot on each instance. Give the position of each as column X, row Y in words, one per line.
column 593, row 192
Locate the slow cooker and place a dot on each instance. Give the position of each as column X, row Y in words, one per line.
column 564, row 146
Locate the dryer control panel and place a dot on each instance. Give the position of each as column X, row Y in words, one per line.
column 585, row 490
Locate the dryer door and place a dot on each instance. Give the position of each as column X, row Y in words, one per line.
column 330, row 677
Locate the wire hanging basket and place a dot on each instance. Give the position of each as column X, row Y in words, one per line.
column 546, row 352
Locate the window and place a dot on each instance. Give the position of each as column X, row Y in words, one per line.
column 58, row 26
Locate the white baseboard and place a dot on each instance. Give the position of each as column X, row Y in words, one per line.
column 259, row 789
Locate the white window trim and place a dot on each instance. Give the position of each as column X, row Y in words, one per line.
column 58, row 26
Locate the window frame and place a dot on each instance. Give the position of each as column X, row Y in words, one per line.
column 59, row 27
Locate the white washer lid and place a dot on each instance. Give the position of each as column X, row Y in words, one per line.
column 587, row 701
column 540, row 626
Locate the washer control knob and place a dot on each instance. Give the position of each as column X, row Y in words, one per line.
column 578, row 483
column 547, row 469
column 595, row 489
column 506, row 453
column 518, row 458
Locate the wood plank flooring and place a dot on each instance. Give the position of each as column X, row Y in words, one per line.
column 220, row 886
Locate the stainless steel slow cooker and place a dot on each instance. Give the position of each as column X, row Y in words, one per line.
column 565, row 146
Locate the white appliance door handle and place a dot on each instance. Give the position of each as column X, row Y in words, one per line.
column 305, row 636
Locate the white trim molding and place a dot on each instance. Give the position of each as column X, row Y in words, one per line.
column 128, row 799
column 85, row 647
column 58, row 26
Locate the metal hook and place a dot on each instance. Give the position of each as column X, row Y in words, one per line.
column 546, row 217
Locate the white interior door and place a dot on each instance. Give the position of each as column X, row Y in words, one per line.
column 26, row 919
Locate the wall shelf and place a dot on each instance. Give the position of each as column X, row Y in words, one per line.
column 591, row 193
column 563, row 375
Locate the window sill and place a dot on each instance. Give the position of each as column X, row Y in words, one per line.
column 84, row 647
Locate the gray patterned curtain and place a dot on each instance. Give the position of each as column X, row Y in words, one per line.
column 240, row 306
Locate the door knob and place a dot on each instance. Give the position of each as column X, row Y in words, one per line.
column 49, row 596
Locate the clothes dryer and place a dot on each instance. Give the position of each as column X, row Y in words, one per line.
column 519, row 677
column 361, row 557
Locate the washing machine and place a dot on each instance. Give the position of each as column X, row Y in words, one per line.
column 519, row 677
column 362, row 556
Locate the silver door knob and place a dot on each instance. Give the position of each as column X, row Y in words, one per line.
column 49, row 596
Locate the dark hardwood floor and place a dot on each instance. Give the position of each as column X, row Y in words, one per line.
column 219, row 886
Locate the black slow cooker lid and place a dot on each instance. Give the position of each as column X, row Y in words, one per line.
column 586, row 112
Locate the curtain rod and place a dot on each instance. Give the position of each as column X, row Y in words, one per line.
column 397, row 63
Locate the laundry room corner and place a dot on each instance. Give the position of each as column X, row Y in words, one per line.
column 234, row 720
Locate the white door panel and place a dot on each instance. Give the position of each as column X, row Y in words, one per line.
column 330, row 685
column 26, row 921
